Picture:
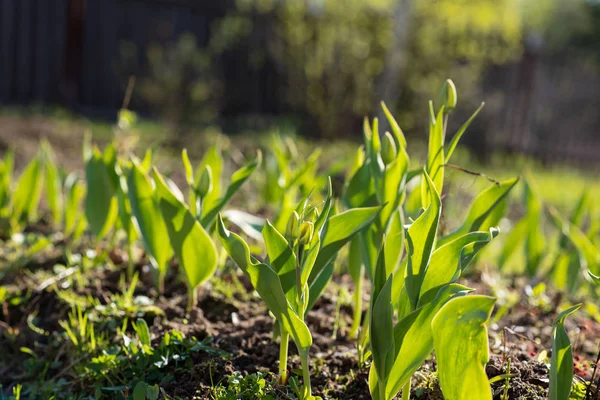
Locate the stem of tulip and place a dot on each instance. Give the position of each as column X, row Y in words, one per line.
column 283, row 354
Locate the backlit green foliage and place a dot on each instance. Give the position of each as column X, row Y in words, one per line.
column 561, row 364
column 402, row 251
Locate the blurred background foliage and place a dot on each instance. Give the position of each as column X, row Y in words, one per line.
column 177, row 82
column 317, row 67
column 332, row 62
column 340, row 58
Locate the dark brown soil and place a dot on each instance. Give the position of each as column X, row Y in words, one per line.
column 240, row 325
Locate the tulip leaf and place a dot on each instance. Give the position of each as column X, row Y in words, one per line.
column 338, row 231
column 458, row 135
column 192, row 246
column 341, row 228
column 398, row 134
column 589, row 255
column 421, row 236
column 413, row 338
column 513, row 241
column 483, row 205
column 435, row 158
column 461, row 347
column 251, row 225
column 268, row 285
column 281, row 259
column 561, row 363
column 53, row 184
column 381, row 331
column 394, row 239
column 214, row 160
column 360, row 189
column 74, row 190
column 237, row 179
column 392, row 187
column 187, row 166
column 448, row 261
column 148, row 217
column 101, row 206
column 26, row 196
column 355, row 263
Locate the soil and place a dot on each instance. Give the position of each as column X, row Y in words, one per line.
column 239, row 324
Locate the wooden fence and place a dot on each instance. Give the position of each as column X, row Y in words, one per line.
column 32, row 50
column 66, row 51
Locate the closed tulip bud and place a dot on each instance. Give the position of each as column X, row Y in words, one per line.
column 306, row 232
column 291, row 231
column 388, row 149
column 448, row 96
column 204, row 186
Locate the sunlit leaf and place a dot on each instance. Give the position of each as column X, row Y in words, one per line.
column 266, row 282
column 360, row 189
column 413, row 338
column 53, row 184
column 394, row 238
column 214, row 160
column 435, row 158
column 420, row 238
column 561, row 363
column 74, row 190
column 282, row 259
column 148, row 217
column 237, row 180
column 461, row 347
column 101, row 206
column 382, row 330
column 483, row 205
column 398, row 134
column 458, row 135
column 27, row 194
column 338, row 231
column 589, row 254
column 251, row 225
column 448, row 261
column 191, row 244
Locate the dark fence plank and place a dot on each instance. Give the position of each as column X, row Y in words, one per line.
column 57, row 45
column 42, row 57
column 7, row 47
column 24, row 39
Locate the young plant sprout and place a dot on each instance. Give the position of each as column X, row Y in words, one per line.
column 297, row 268
column 101, row 204
column 401, row 244
column 206, row 196
column 413, row 296
column 146, row 214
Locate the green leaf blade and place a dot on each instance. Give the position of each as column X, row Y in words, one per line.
column 421, row 236
column 101, row 205
column 481, row 208
column 561, row 363
column 237, row 180
column 461, row 345
column 148, row 217
column 413, row 338
column 191, row 243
